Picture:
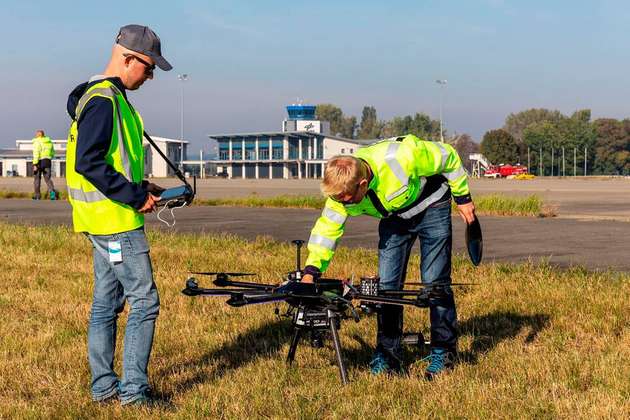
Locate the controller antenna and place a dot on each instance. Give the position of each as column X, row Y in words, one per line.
column 298, row 247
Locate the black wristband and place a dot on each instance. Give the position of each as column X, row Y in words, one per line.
column 462, row 199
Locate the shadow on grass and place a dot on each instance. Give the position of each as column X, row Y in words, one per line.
column 265, row 340
column 486, row 330
column 490, row 329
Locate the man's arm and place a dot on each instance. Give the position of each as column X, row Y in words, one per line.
column 442, row 158
column 95, row 128
column 323, row 241
column 36, row 152
column 453, row 171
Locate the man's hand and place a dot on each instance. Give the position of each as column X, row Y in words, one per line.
column 467, row 212
column 308, row 278
column 149, row 205
column 153, row 188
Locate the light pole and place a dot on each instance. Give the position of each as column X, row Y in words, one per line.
column 442, row 83
column 182, row 78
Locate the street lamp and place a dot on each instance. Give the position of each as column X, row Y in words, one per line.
column 442, row 83
column 182, row 78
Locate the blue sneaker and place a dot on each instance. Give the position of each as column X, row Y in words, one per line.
column 441, row 360
column 381, row 364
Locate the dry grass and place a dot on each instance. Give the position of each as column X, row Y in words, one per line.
column 536, row 341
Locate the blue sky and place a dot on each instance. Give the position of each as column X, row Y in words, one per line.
column 248, row 59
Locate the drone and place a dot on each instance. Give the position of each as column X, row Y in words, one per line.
column 317, row 307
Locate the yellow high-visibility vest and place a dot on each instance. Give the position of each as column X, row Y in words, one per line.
column 92, row 211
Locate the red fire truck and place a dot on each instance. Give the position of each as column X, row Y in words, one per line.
column 503, row 171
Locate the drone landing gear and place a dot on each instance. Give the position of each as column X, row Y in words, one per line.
column 317, row 322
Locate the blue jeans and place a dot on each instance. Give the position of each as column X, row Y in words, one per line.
column 396, row 239
column 130, row 280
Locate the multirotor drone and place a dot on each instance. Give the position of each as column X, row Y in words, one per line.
column 317, row 307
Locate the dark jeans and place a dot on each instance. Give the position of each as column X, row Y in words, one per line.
column 397, row 237
column 43, row 168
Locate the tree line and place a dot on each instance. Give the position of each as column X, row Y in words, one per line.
column 537, row 136
column 541, row 136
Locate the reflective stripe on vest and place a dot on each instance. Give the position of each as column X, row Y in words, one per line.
column 322, row 241
column 86, row 196
column 444, row 153
column 124, row 157
column 334, row 216
column 394, row 166
column 421, row 206
column 452, row 176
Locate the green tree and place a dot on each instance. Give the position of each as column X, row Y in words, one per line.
column 464, row 145
column 370, row 127
column 348, row 127
column 612, row 148
column 339, row 124
column 515, row 124
column 498, row 146
column 420, row 125
column 551, row 136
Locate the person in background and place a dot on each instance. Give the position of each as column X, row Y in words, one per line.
column 43, row 152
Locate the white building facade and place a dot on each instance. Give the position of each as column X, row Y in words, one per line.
column 299, row 151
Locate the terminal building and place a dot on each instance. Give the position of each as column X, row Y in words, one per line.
column 19, row 161
column 299, row 151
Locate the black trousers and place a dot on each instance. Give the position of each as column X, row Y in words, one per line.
column 43, row 168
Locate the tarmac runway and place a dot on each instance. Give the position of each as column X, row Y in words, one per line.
column 595, row 244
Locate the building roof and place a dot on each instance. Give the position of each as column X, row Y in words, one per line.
column 293, row 134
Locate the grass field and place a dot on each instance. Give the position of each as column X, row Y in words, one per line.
column 535, row 341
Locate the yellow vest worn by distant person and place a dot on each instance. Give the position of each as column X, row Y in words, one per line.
column 42, row 149
column 92, row 211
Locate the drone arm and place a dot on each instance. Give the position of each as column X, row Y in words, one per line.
column 385, row 299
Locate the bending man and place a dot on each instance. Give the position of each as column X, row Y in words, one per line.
column 407, row 183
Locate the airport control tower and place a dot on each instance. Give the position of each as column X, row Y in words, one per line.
column 302, row 118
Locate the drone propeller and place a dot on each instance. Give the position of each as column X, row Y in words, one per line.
column 218, row 273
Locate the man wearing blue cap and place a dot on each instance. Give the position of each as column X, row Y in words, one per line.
column 105, row 170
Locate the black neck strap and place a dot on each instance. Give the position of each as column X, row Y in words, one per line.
column 377, row 203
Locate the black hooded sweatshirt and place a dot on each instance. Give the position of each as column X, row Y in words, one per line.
column 95, row 127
